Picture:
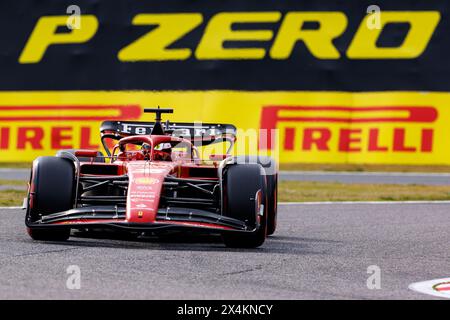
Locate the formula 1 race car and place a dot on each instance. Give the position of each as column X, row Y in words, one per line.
column 153, row 180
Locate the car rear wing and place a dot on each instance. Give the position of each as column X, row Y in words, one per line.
column 200, row 134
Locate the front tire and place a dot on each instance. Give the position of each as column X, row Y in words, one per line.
column 52, row 189
column 243, row 184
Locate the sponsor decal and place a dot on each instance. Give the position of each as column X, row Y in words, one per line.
column 169, row 28
column 137, row 197
column 292, row 45
column 325, row 127
column 69, row 113
column 142, row 198
column 147, row 170
column 35, row 127
column 137, row 194
column 143, row 187
column 317, row 133
column 188, row 130
column 437, row 287
column 146, row 180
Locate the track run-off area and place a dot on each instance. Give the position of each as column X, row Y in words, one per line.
column 320, row 251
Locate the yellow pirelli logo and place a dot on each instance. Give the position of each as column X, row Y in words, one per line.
column 335, row 127
column 353, row 120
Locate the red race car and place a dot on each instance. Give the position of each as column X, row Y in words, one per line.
column 153, row 181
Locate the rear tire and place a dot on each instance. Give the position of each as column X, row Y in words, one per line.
column 52, row 187
column 271, row 169
column 272, row 203
column 242, row 182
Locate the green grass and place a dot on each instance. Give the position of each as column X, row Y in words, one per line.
column 364, row 167
column 4, row 182
column 296, row 191
column 11, row 197
column 16, row 165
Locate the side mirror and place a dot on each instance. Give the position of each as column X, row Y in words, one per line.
column 218, row 157
column 86, row 153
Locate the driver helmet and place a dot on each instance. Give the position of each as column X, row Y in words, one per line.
column 163, row 152
column 165, row 147
column 146, row 147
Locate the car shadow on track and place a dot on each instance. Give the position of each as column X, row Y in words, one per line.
column 196, row 242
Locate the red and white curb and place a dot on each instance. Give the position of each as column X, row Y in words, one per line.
column 437, row 287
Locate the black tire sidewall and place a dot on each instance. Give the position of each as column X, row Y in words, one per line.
column 242, row 181
column 269, row 165
column 272, row 203
column 53, row 180
column 241, row 184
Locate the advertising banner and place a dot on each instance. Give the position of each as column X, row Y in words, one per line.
column 342, row 82
column 377, row 127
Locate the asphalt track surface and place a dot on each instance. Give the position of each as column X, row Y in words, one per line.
column 343, row 177
column 319, row 251
column 14, row 174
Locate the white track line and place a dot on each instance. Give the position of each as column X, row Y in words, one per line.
column 10, row 208
column 364, row 202
column 357, row 173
